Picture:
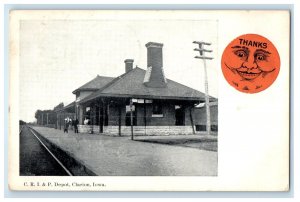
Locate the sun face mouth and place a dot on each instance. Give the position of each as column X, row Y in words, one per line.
column 249, row 75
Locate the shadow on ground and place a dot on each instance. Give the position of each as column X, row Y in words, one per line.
column 202, row 144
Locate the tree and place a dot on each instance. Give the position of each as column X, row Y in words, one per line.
column 45, row 117
column 21, row 122
column 38, row 115
column 59, row 106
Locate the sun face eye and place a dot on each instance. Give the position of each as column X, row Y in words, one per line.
column 260, row 57
column 241, row 53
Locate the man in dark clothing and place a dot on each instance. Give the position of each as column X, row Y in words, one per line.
column 76, row 122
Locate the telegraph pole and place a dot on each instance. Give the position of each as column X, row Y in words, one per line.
column 42, row 118
column 202, row 56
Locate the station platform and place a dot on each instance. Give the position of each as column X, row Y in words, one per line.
column 145, row 156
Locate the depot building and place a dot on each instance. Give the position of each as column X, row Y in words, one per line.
column 145, row 99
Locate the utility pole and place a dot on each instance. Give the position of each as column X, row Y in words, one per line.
column 42, row 118
column 202, row 56
column 47, row 119
column 56, row 120
column 92, row 116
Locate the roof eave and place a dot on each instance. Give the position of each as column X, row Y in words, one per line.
column 196, row 99
column 85, row 89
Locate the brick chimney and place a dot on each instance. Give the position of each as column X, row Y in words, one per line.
column 155, row 76
column 128, row 64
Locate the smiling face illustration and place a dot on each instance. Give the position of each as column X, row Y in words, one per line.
column 250, row 63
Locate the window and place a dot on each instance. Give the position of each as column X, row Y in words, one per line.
column 157, row 109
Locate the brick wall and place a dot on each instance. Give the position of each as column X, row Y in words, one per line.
column 200, row 118
column 167, row 119
column 200, row 115
column 113, row 116
column 154, row 125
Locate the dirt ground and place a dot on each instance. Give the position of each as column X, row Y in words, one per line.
column 145, row 156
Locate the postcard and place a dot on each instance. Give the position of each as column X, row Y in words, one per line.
column 149, row 100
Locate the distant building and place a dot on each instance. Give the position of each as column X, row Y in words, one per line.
column 159, row 106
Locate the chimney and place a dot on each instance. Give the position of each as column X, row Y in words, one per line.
column 128, row 65
column 155, row 76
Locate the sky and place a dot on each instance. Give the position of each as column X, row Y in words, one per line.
column 58, row 56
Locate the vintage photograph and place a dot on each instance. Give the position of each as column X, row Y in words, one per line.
column 118, row 98
column 149, row 100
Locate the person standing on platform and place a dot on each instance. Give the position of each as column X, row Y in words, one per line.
column 66, row 125
column 76, row 122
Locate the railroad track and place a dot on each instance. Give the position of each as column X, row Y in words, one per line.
column 36, row 158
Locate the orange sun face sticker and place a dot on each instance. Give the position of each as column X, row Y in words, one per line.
column 250, row 63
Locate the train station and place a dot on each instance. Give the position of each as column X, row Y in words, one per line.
column 156, row 105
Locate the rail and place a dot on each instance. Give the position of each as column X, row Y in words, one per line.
column 55, row 158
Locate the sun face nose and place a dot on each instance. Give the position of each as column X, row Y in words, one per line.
column 250, row 63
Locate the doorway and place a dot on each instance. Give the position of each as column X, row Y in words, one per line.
column 179, row 115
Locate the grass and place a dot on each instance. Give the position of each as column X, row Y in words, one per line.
column 199, row 143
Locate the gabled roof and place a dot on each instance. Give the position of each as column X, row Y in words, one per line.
column 131, row 85
column 95, row 84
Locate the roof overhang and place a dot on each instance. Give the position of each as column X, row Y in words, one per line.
column 104, row 95
column 84, row 89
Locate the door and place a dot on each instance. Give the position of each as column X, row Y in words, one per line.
column 179, row 115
